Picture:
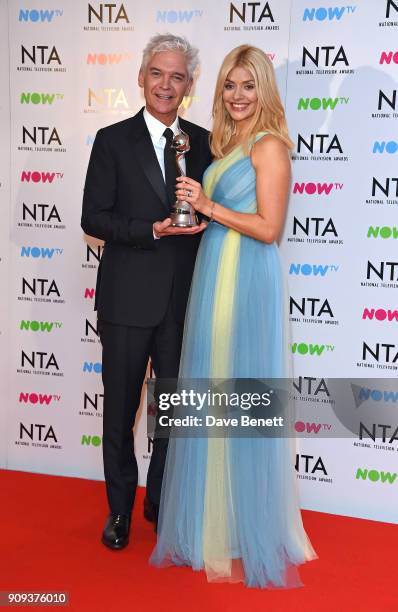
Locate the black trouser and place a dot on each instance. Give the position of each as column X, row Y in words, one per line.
column 124, row 361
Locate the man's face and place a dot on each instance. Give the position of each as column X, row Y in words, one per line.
column 165, row 82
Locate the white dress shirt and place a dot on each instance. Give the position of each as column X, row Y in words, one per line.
column 156, row 129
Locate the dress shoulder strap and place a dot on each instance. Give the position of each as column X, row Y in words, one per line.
column 259, row 135
column 255, row 138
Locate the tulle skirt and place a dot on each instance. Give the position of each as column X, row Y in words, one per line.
column 230, row 505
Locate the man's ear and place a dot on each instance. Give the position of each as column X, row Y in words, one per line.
column 141, row 78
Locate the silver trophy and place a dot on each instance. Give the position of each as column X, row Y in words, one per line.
column 182, row 213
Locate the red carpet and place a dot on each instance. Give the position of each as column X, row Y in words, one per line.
column 50, row 530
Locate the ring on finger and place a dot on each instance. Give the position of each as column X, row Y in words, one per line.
column 189, row 193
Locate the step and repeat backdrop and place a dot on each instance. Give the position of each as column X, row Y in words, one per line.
column 72, row 68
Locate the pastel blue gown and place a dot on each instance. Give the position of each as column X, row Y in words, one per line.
column 230, row 506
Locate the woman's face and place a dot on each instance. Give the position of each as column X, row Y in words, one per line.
column 240, row 95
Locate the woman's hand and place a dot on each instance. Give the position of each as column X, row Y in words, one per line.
column 191, row 191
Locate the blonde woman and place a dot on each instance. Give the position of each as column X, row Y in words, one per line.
column 229, row 505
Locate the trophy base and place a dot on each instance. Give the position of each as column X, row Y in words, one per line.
column 183, row 218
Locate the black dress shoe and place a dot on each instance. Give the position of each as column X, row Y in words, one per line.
column 151, row 512
column 116, row 532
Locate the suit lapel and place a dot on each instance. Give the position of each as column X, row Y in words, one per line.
column 146, row 156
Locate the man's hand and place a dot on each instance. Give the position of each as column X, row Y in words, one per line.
column 164, row 228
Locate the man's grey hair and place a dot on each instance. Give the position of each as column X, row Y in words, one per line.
column 170, row 42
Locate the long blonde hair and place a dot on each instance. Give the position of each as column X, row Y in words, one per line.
column 269, row 115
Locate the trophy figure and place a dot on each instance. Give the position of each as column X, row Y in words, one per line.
column 182, row 213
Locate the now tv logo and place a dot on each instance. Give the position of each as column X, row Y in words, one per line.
column 108, row 59
column 40, row 177
column 377, row 395
column 40, row 252
column 35, row 16
column 88, row 440
column 40, row 98
column 38, row 398
column 380, row 314
column 91, row 367
column 320, row 103
column 307, row 269
column 316, row 188
column 306, row 427
column 387, row 57
column 382, row 146
column 327, row 14
column 89, row 293
column 375, row 475
column 310, row 349
column 177, row 16
column 382, row 232
column 39, row 326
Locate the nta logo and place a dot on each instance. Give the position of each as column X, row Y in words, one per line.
column 46, row 56
column 44, row 361
column 110, row 98
column 42, row 433
column 313, row 307
column 386, row 187
column 35, row 15
column 318, row 225
column 309, row 464
column 110, row 13
column 326, row 143
column 391, row 437
column 40, row 286
column 327, row 53
column 41, row 212
column 90, row 403
column 391, row 101
column 391, row 4
column 385, row 351
column 329, row 14
column 44, row 134
column 257, row 13
column 384, row 269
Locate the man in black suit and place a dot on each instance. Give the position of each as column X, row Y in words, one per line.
column 146, row 268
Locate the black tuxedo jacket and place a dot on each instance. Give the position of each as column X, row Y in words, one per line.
column 124, row 195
